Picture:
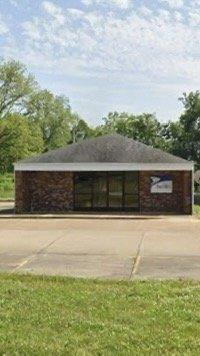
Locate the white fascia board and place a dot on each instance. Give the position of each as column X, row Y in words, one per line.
column 76, row 167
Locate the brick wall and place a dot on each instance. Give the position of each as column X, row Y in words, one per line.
column 179, row 201
column 53, row 192
column 43, row 191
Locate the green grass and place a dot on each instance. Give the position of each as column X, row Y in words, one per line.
column 63, row 316
column 6, row 186
column 197, row 210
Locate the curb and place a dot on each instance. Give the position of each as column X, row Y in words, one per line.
column 84, row 217
column 7, row 201
column 94, row 217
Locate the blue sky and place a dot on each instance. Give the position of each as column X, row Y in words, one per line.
column 106, row 55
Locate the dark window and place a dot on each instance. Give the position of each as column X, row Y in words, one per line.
column 115, row 190
column 106, row 190
column 83, row 190
column 100, row 190
column 131, row 199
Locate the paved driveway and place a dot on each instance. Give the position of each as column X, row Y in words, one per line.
column 118, row 249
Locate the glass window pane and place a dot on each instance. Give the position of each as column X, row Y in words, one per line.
column 115, row 189
column 100, row 183
column 115, row 184
column 100, row 200
column 83, row 183
column 115, row 201
column 131, row 183
column 83, row 201
column 131, row 201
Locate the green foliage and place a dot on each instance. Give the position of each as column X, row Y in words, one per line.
column 53, row 115
column 190, row 122
column 144, row 128
column 65, row 316
column 80, row 130
column 197, row 210
column 15, row 87
column 6, row 186
column 183, row 136
column 17, row 141
column 32, row 120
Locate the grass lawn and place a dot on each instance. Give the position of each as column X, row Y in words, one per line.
column 6, row 186
column 55, row 315
column 197, row 210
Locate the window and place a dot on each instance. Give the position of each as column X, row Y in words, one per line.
column 106, row 190
column 83, row 190
column 131, row 199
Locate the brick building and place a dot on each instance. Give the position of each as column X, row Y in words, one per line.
column 110, row 172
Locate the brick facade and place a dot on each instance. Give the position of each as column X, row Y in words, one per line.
column 53, row 192
column 43, row 191
column 179, row 201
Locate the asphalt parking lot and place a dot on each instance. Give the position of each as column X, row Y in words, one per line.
column 102, row 248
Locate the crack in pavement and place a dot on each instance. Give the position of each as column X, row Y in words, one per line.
column 137, row 258
column 38, row 252
column 41, row 251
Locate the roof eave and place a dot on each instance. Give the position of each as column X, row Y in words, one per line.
column 104, row 166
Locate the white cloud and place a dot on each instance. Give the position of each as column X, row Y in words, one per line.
column 76, row 13
column 178, row 16
column 53, row 10
column 87, row 2
column 14, row 3
column 195, row 3
column 31, row 29
column 195, row 17
column 143, row 43
column 145, row 11
column 3, row 27
column 174, row 4
column 122, row 4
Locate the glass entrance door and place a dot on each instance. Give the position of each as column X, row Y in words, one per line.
column 131, row 191
column 115, row 190
column 106, row 191
column 100, row 190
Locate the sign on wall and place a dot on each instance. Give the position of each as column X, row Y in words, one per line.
column 161, row 184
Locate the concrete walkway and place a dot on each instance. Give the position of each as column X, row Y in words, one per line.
column 105, row 248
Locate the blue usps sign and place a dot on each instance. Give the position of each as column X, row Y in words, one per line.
column 161, row 184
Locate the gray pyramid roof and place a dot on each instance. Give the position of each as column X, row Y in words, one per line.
column 109, row 148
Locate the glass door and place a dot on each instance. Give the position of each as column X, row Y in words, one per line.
column 83, row 191
column 106, row 190
column 100, row 190
column 115, row 190
column 131, row 191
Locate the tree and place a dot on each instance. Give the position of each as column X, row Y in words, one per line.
column 17, row 141
column 144, row 128
column 190, row 124
column 172, row 133
column 53, row 115
column 80, row 129
column 15, row 87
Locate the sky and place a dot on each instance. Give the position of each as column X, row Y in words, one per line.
column 106, row 55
